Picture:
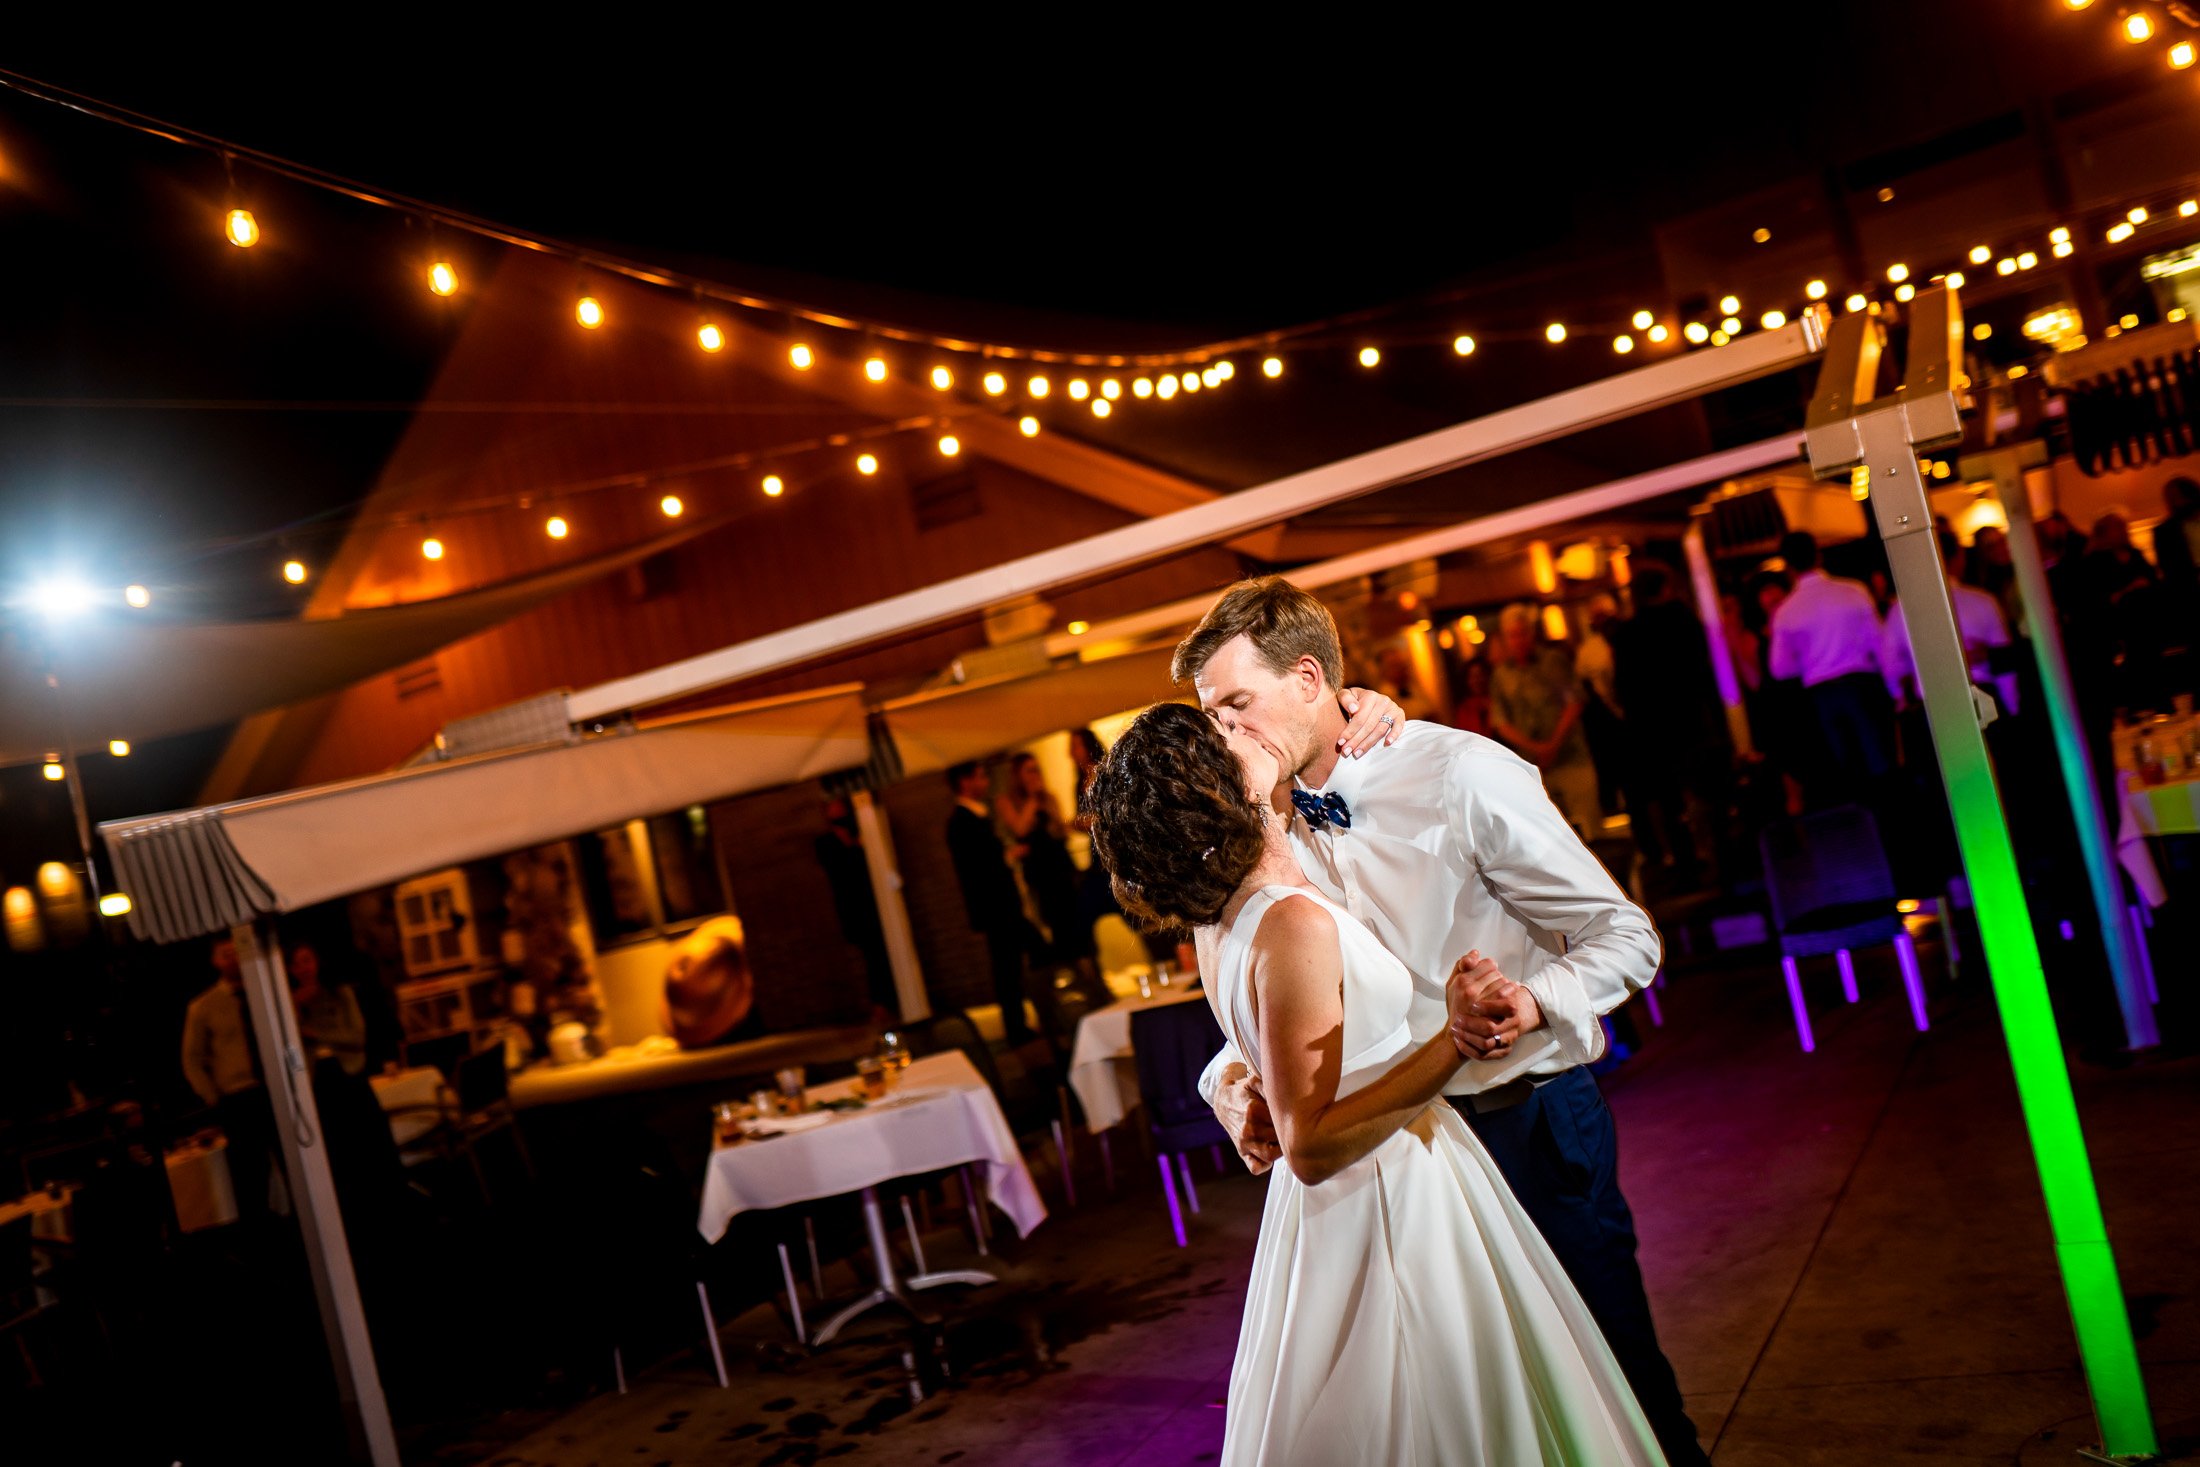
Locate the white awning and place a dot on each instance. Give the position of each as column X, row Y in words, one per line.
column 936, row 729
column 199, row 871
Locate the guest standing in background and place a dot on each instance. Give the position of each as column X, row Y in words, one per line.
column 1602, row 713
column 1535, row 706
column 855, row 905
column 1029, row 813
column 994, row 905
column 2177, row 557
column 221, row 1061
column 329, row 1020
column 1473, row 713
column 1826, row 635
column 1662, row 665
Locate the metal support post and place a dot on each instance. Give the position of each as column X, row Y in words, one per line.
column 2096, row 844
column 893, row 912
column 1849, row 426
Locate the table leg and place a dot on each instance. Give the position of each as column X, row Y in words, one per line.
column 892, row 1289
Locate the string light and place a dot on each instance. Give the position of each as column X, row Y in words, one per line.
column 1731, row 326
column 1166, row 387
column 2120, row 233
column 1369, row 356
column 1658, row 334
column 2138, row 215
column 1761, row 236
column 1038, row 387
column 2060, row 234
column 1079, row 389
column 294, row 571
column 1143, row 386
column 1773, row 320
column 119, row 748
column 53, row 770
column 774, row 486
column 802, row 357
column 1028, row 426
column 556, row 527
column 950, row 445
column 1623, row 344
column 1980, row 254
column 867, row 464
column 1730, row 305
column 442, row 279
column 2181, row 56
column 1816, row 290
column 1904, row 291
column 432, row 548
column 2063, row 249
column 241, row 229
column 1898, row 273
column 2006, row 265
column 1191, row 381
column 1101, row 407
column 1111, row 389
column 137, row 596
column 588, row 311
column 1642, row 320
column 942, row 378
column 1210, row 377
column 2188, row 208
column 995, row 384
column 1555, row 333
column 1720, row 338
column 875, row 369
column 672, row 506
column 2027, row 260
column 1982, row 331
column 1269, row 367
column 1696, row 332
column 1460, row 345
column 1226, row 369
column 1855, row 303
column 114, row 904
column 2138, row 27
column 710, row 338
column 1079, row 628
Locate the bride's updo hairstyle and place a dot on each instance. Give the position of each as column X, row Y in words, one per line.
column 1171, row 821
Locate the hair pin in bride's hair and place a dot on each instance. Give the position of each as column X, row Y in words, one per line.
column 1203, row 855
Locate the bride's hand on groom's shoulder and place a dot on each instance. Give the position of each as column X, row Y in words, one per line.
column 1489, row 1012
column 1243, row 1111
column 1371, row 718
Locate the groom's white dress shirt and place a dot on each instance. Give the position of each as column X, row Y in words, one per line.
column 1454, row 846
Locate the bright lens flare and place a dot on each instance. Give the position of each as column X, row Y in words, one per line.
column 137, row 596
column 1191, row 381
column 55, row 773
column 242, row 229
column 120, row 748
column 1696, row 332
column 1079, row 389
column 442, row 279
column 1111, row 389
column 1143, row 387
column 114, row 904
column 1659, row 334
column 1101, row 407
column 2138, row 27
column 1730, row 305
column 1623, row 344
column 1816, row 290
column 1896, row 274
column 1773, row 320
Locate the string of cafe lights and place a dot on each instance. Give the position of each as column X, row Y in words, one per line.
column 1024, row 381
column 2141, row 25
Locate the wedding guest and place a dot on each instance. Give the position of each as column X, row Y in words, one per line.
column 1663, row 670
column 855, row 906
column 1826, row 634
column 1978, row 622
column 1603, row 715
column 990, row 898
column 1027, row 810
column 1536, row 707
column 221, row 1062
column 1473, row 712
column 329, row 1020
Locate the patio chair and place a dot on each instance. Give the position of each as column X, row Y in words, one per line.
column 1173, row 1044
column 1832, row 890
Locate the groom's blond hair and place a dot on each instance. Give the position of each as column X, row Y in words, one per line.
column 1282, row 622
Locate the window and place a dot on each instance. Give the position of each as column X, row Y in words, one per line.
column 435, row 923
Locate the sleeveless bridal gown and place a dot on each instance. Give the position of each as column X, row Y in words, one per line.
column 1406, row 1311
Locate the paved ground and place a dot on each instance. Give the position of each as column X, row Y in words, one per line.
column 1847, row 1252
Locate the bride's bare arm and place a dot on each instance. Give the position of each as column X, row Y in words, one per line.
column 1297, row 974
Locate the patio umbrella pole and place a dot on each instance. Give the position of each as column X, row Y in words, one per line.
column 313, row 1194
column 1850, row 427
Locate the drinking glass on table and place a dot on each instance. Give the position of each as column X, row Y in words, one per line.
column 872, row 1071
column 893, row 1049
column 791, row 1087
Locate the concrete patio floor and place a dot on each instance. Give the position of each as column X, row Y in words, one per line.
column 1847, row 1252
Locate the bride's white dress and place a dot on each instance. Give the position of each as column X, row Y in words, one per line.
column 1406, row 1311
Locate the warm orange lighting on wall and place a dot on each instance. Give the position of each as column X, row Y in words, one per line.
column 1541, row 568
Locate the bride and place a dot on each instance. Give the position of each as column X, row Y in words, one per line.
column 1403, row 1309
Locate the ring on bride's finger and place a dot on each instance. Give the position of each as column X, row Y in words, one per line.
column 1388, row 721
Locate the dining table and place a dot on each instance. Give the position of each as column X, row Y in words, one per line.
column 937, row 1114
column 1103, row 1067
column 413, row 1098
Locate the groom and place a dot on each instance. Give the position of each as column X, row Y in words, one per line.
column 1445, row 844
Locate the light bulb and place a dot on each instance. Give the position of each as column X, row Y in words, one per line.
column 556, row 527
column 995, row 384
column 1981, row 331
column 442, row 279
column 1101, row 407
column 2060, row 234
column 1038, row 387
column 1729, row 305
column 1191, row 381
column 1816, row 290
column 1659, row 334
column 942, row 378
column 1111, row 389
column 242, row 229
column 2181, row 56
column 1271, row 366
column 1079, row 628
column 2027, row 260
column 1898, row 273
column 1732, row 326
column 1209, row 377
column 802, row 357
column 774, row 486
column 950, row 444
column 2188, row 208
column 1761, row 236
column 671, row 505
column 1369, row 356
column 588, row 311
column 120, row 748
column 2138, row 215
column 1463, row 345
column 2138, row 27
column 1904, row 291
column 2006, row 265
column 1079, row 389
column 1773, row 320
column 1226, row 370
column 1142, row 387
column 1720, row 338
column 294, row 571
column 1980, row 254
column 115, row 904
column 875, row 369
column 710, row 338
column 1696, row 332
column 2064, row 249
column 1554, row 333
column 432, row 548
column 55, row 773
column 867, row 463
column 2119, row 234
column 1955, row 279
column 1856, row 303
column 1623, row 344
column 1165, row 388
column 1642, row 320
column 1028, row 426
column 137, row 596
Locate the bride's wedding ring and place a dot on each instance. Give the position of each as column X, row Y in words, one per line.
column 1387, row 721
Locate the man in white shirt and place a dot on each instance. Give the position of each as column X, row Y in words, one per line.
column 221, row 1062
column 1978, row 621
column 1442, row 844
column 1826, row 634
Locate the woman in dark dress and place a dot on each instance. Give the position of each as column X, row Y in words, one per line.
column 1033, row 820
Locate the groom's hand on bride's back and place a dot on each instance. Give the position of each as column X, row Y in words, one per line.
column 1489, row 1012
column 1243, row 1111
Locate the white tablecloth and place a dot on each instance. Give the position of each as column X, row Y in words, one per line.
column 939, row 1114
column 1103, row 1069
column 198, row 1176
column 407, row 1090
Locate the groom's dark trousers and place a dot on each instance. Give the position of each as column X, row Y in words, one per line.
column 1556, row 1146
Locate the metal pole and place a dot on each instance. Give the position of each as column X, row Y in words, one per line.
column 313, row 1193
column 1712, row 614
column 1848, row 427
column 2006, row 467
column 893, row 912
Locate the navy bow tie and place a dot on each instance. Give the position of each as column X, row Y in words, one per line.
column 1322, row 811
